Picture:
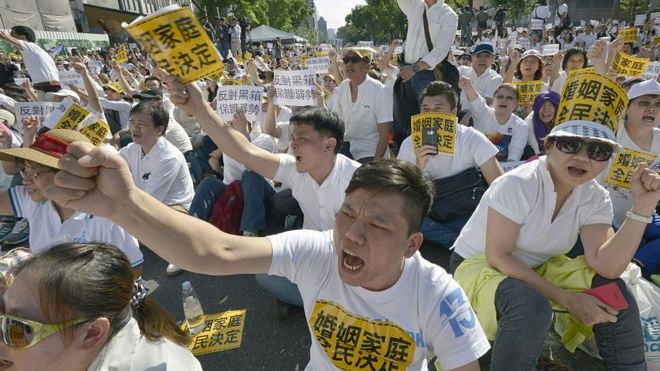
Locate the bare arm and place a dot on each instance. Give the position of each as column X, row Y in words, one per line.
column 491, row 170
column 92, row 95
column 13, row 41
column 556, row 66
column 383, row 131
column 515, row 58
column 334, row 67
column 122, row 80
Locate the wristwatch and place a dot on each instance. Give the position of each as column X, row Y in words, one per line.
column 415, row 67
column 638, row 218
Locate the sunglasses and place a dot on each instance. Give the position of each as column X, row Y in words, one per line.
column 352, row 59
column 597, row 151
column 19, row 333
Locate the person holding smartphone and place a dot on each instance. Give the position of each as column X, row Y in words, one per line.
column 509, row 257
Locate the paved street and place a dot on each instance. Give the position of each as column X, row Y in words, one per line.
column 270, row 344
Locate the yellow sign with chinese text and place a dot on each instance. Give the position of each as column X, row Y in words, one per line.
column 628, row 35
column 96, row 132
column 435, row 129
column 122, row 56
column 353, row 341
column 247, row 55
column 628, row 65
column 625, row 164
column 221, row 331
column 581, row 70
column 115, row 86
column 72, row 117
column 590, row 96
column 527, row 91
column 178, row 43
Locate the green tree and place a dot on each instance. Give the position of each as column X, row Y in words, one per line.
column 633, row 7
column 516, row 9
column 286, row 15
column 378, row 20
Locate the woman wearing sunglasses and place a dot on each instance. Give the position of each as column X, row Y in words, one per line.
column 76, row 307
column 640, row 132
column 509, row 257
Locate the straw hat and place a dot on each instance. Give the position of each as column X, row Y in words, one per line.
column 47, row 149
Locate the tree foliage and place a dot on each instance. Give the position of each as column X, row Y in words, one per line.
column 285, row 15
column 516, row 9
column 633, row 7
column 378, row 20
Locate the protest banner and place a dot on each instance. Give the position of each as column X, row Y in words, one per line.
column 652, row 71
column 247, row 55
column 44, row 110
column 628, row 35
column 398, row 50
column 549, row 49
column 325, row 47
column 72, row 117
column 318, row 65
column 97, row 132
column 122, row 56
column 640, row 19
column 70, row 79
column 7, row 102
column 365, row 44
column 435, row 129
column 536, row 24
column 227, row 81
column 514, row 36
column 549, row 26
column 655, row 16
column 527, row 91
column 581, row 70
column 628, row 65
column 592, row 97
column 115, row 86
column 95, row 67
column 625, row 164
column 221, row 331
column 246, row 99
column 294, row 88
column 525, row 43
column 178, row 43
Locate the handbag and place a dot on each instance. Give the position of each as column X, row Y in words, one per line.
column 444, row 71
column 457, row 195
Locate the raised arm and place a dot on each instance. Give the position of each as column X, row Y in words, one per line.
column 92, row 95
column 16, row 43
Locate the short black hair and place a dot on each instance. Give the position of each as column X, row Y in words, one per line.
column 401, row 178
column 158, row 114
column 25, row 31
column 323, row 121
column 151, row 77
column 438, row 88
column 571, row 52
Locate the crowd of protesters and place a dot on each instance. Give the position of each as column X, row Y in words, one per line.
column 336, row 199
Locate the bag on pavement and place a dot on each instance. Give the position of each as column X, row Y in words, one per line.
column 647, row 296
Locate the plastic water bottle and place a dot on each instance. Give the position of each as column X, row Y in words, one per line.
column 192, row 308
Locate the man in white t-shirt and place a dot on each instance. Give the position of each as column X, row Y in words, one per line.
column 370, row 299
column 40, row 65
column 365, row 106
column 472, row 150
column 587, row 38
column 484, row 79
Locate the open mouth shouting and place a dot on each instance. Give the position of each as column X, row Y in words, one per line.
column 351, row 262
column 576, row 171
column 649, row 118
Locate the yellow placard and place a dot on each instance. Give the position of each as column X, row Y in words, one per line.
column 592, row 97
column 222, row 331
column 115, row 86
column 527, row 91
column 96, row 132
column 247, row 55
column 581, row 70
column 353, row 341
column 628, row 35
column 656, row 40
column 230, row 82
column 628, row 65
column 434, row 128
column 321, row 54
column 72, row 117
column 122, row 56
column 303, row 59
column 178, row 43
column 625, row 164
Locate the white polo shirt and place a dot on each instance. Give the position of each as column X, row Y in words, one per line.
column 472, row 149
column 47, row 230
column 319, row 203
column 373, row 106
column 162, row 173
column 485, row 84
column 39, row 64
column 233, row 170
column 510, row 138
column 526, row 195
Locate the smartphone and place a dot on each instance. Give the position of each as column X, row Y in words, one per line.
column 430, row 137
column 609, row 294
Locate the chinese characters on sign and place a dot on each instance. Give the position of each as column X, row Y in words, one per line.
column 354, row 342
column 318, row 65
column 70, row 79
column 122, row 56
column 246, row 99
column 178, row 43
column 629, row 35
column 652, row 71
column 624, row 166
column 628, row 65
column 527, row 91
column 294, row 88
column 42, row 109
column 592, row 97
column 222, row 331
column 96, row 132
column 436, row 129
column 73, row 116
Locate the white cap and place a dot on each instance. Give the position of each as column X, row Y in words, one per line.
column 63, row 93
column 647, row 87
column 586, row 129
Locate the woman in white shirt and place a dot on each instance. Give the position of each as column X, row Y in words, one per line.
column 509, row 257
column 76, row 307
column 507, row 131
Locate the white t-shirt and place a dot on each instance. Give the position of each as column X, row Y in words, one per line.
column 587, row 39
column 128, row 350
column 485, row 85
column 424, row 313
column 5, row 180
column 175, row 133
column 373, row 106
column 319, row 203
column 526, row 196
column 472, row 149
column 47, row 229
column 541, row 12
column 509, row 138
column 559, row 82
column 563, row 10
column 39, row 64
column 163, row 172
column 621, row 197
column 233, row 170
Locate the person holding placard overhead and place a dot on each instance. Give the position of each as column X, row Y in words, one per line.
column 510, row 257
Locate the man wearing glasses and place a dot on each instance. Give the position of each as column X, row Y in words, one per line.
column 484, row 79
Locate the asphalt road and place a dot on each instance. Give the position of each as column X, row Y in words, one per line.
column 271, row 344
